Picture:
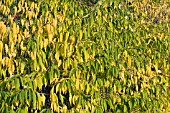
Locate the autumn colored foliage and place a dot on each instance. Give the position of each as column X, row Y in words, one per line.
column 84, row 56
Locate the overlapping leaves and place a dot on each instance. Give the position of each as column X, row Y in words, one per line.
column 66, row 56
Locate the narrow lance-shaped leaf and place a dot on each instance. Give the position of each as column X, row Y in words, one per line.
column 34, row 100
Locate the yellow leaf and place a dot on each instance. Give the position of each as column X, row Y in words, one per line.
column 57, row 55
column 12, row 47
column 48, row 28
column 70, row 99
column 45, row 43
column 107, row 83
column 52, row 97
column 65, row 48
column 40, row 84
column 77, row 84
column 0, row 57
column 14, row 28
column 22, row 46
column 105, row 5
column 67, row 35
column 33, row 55
column 129, row 61
column 61, row 37
column 36, row 66
column 57, row 87
column 86, row 55
column 35, row 84
column 102, row 44
column 50, row 37
column 54, row 22
column 74, row 99
column 114, row 99
column 82, row 86
column 6, row 48
column 162, row 36
column 22, row 67
column 2, row 27
column 55, row 106
column 81, row 34
column 59, row 63
column 72, row 39
column 1, row 48
column 43, row 99
column 105, row 17
column 32, row 5
column 114, row 89
column 135, row 79
column 88, row 88
column 15, row 10
column 118, row 99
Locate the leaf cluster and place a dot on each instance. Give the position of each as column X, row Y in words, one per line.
column 67, row 56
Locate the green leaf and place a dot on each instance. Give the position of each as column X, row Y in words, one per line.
column 17, row 84
column 25, row 110
column 125, row 108
column 105, row 104
column 110, row 103
column 61, row 97
column 34, row 100
column 39, row 83
column 130, row 104
column 157, row 90
column 35, row 84
column 69, row 85
column 144, row 94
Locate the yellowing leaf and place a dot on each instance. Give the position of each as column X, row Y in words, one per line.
column 58, row 87
column 22, row 46
column 86, row 55
column 81, row 34
column 65, row 48
column 61, row 37
column 52, row 98
column 41, row 63
column 72, row 39
column 88, row 88
column 15, row 10
column 1, row 48
column 40, row 84
column 57, row 55
column 32, row 5
column 105, row 17
column 77, row 84
column 35, row 84
column 70, row 99
column 99, row 12
column 125, row 53
column 45, row 43
column 67, row 35
column 50, row 37
column 59, row 63
column 114, row 89
column 43, row 100
column 2, row 27
column 129, row 61
column 22, row 67
column 33, row 55
column 14, row 28
column 48, row 28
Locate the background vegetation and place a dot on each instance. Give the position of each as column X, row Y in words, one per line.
column 84, row 56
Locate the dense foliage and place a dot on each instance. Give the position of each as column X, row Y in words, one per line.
column 84, row 56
